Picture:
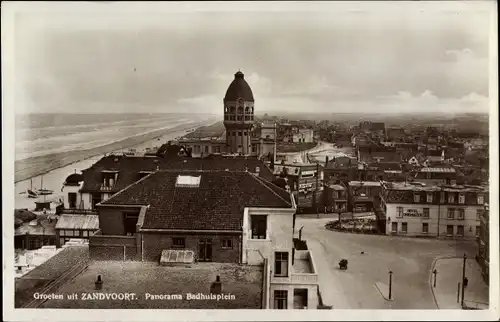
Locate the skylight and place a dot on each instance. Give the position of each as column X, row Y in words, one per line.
column 188, row 181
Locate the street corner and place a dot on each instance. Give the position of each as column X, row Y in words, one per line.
column 385, row 291
column 448, row 289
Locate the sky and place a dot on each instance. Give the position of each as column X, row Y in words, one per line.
column 392, row 57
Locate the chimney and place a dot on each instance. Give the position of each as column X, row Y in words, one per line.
column 216, row 287
column 98, row 283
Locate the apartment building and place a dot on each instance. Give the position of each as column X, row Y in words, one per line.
column 446, row 211
column 219, row 216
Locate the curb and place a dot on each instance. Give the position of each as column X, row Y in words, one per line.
column 430, row 275
column 381, row 293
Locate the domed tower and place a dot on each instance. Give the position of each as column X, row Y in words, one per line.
column 239, row 115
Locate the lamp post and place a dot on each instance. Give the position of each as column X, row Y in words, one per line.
column 435, row 276
column 463, row 279
column 390, row 285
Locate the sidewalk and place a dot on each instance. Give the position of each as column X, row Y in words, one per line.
column 331, row 294
column 449, row 274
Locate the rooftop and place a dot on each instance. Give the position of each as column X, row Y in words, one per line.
column 37, row 279
column 40, row 226
column 417, row 186
column 128, row 168
column 216, row 204
column 244, row 282
column 82, row 222
column 442, row 170
column 365, row 183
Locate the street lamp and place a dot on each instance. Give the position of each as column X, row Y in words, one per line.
column 463, row 279
column 435, row 274
column 390, row 285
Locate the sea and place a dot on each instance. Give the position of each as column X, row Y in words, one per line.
column 42, row 135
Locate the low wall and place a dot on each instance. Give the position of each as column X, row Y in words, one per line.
column 113, row 247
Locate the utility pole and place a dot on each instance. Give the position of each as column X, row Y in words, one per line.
column 439, row 209
column 463, row 279
column 435, row 276
column 316, row 191
column 390, row 285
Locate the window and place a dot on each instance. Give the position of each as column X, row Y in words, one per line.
column 179, row 242
column 479, row 212
column 69, row 233
column 461, row 199
column 72, row 200
column 416, row 198
column 429, row 198
column 85, row 233
column 404, row 227
column 245, row 133
column 460, row 230
column 441, row 197
column 425, row 227
column 227, row 243
column 480, row 199
column 451, row 197
column 399, row 212
column 280, row 300
column 259, row 226
column 206, row 148
column 426, row 212
column 239, row 133
column 478, row 231
column 281, row 264
column 130, row 223
column 451, row 213
column 449, row 230
column 394, row 227
column 461, row 214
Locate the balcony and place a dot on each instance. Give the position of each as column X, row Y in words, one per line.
column 303, row 268
column 106, row 187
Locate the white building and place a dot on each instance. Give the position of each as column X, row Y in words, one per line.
column 290, row 275
column 303, row 136
column 414, row 209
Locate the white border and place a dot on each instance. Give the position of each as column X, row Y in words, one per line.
column 10, row 314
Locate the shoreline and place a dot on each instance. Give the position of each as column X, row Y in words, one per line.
column 29, row 168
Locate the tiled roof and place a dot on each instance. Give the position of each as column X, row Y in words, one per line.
column 129, row 168
column 37, row 227
column 84, row 222
column 216, row 204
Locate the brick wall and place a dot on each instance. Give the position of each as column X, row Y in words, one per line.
column 105, row 252
column 155, row 243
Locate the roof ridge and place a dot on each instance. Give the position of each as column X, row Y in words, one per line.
column 258, row 179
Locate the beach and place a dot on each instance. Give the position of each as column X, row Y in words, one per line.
column 50, row 170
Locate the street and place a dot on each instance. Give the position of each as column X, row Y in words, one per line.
column 410, row 259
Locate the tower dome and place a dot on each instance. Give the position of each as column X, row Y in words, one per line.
column 239, row 89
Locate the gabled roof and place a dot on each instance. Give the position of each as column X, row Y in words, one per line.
column 129, row 168
column 216, row 204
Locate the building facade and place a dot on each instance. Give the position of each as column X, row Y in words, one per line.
column 483, row 243
column 413, row 209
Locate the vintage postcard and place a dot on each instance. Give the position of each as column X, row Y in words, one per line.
column 231, row 161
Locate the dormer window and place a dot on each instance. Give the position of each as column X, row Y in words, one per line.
column 109, row 179
column 143, row 174
column 416, row 198
column 429, row 198
column 451, row 197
